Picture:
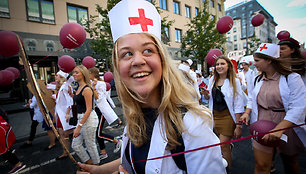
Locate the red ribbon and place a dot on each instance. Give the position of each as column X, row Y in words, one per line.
column 226, row 142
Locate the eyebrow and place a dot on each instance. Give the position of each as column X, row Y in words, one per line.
column 144, row 44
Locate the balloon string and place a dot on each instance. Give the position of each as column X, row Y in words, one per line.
column 46, row 57
column 218, row 144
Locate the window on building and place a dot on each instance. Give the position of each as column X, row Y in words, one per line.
column 31, row 46
column 4, row 9
column 243, row 15
column 50, row 47
column 234, row 29
column 244, row 44
column 250, row 5
column 229, row 39
column 212, row 3
column 176, row 7
column 40, row 11
column 250, row 12
column 178, row 35
column 219, row 7
column 243, row 8
column 235, row 37
column 187, row 11
column 163, row 4
column 149, row 0
column 235, row 22
column 196, row 11
column 77, row 14
column 235, row 47
column 212, row 17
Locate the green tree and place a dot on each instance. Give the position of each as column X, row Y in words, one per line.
column 201, row 36
column 100, row 32
column 253, row 44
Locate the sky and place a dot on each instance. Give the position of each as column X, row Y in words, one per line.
column 290, row 15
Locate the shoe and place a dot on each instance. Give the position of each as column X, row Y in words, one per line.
column 103, row 156
column 272, row 170
column 25, row 145
column 49, row 148
column 118, row 146
column 17, row 168
column 61, row 157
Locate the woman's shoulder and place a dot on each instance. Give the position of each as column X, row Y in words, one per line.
column 193, row 120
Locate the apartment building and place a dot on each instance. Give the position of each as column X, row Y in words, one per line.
column 242, row 14
column 38, row 22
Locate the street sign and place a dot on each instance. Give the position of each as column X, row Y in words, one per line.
column 236, row 54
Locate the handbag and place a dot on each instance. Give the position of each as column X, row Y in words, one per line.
column 74, row 119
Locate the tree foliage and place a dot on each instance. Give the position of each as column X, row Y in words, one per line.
column 100, row 32
column 253, row 44
column 201, row 36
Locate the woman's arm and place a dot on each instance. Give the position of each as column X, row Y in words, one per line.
column 245, row 116
column 87, row 93
column 238, row 131
column 105, row 168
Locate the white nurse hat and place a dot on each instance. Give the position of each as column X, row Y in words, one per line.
column 269, row 49
column 134, row 16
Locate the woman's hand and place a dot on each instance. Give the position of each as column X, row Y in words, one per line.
column 275, row 136
column 238, row 131
column 67, row 117
column 245, row 118
column 76, row 131
column 206, row 94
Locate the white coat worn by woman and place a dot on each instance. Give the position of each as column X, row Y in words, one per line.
column 198, row 133
column 235, row 105
column 293, row 98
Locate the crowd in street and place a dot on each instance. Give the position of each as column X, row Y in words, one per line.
column 162, row 104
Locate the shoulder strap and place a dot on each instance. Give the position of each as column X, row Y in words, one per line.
column 180, row 159
column 257, row 79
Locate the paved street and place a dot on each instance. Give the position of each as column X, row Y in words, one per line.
column 39, row 161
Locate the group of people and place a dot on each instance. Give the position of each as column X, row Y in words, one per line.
column 162, row 110
column 163, row 114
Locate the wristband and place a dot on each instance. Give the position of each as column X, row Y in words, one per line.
column 80, row 124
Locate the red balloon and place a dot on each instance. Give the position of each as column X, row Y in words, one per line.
column 108, row 86
column 66, row 63
column 212, row 55
column 8, row 44
column 15, row 71
column 6, row 77
column 225, row 24
column 88, row 62
column 257, row 20
column 72, row 35
column 263, row 126
column 108, row 77
column 283, row 35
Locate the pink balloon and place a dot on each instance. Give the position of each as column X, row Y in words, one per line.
column 108, row 86
column 212, row 55
column 283, row 35
column 88, row 62
column 72, row 35
column 225, row 24
column 235, row 64
column 108, row 77
column 66, row 63
column 6, row 77
column 8, row 44
column 14, row 70
column 257, row 20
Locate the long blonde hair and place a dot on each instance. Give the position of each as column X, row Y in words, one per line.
column 85, row 73
column 231, row 75
column 175, row 94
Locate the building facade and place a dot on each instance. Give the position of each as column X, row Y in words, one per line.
column 242, row 14
column 38, row 23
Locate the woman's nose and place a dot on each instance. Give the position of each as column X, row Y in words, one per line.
column 138, row 59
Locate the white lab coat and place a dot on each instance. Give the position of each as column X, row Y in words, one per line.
column 293, row 94
column 195, row 84
column 37, row 114
column 247, row 79
column 63, row 101
column 199, row 133
column 105, row 108
column 236, row 105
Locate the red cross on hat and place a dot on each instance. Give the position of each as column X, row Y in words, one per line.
column 142, row 20
column 263, row 47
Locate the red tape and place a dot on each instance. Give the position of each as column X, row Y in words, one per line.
column 226, row 142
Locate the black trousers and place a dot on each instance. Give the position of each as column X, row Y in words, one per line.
column 34, row 125
column 11, row 157
column 102, row 136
